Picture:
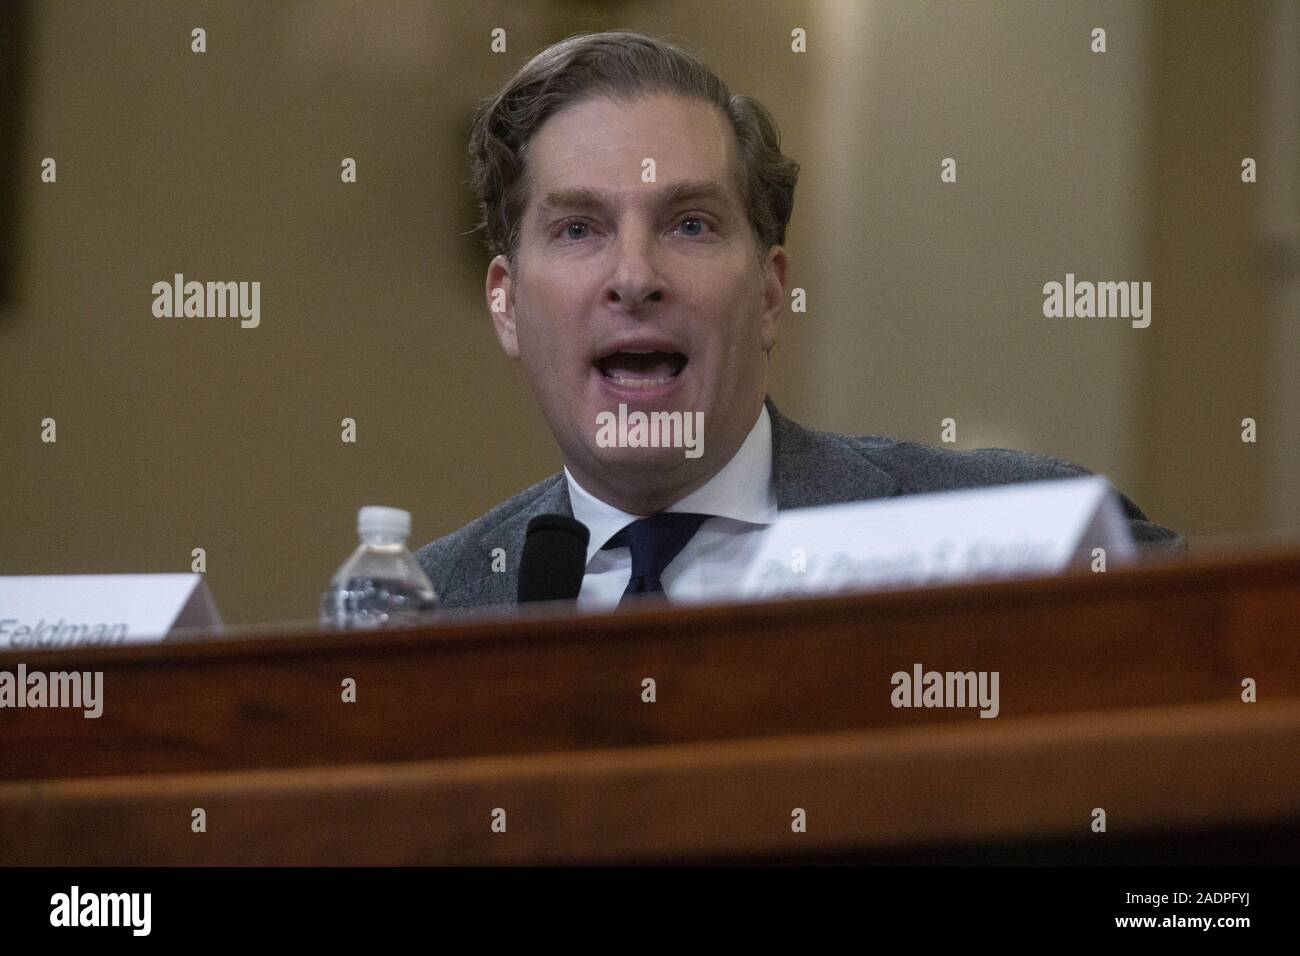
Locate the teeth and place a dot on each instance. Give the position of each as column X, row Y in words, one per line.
column 638, row 382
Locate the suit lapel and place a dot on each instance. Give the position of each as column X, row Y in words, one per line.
column 503, row 587
column 818, row 468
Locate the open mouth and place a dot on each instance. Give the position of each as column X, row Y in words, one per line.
column 641, row 368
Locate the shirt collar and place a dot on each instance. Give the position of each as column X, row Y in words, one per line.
column 742, row 490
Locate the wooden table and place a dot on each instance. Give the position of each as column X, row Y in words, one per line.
column 1120, row 691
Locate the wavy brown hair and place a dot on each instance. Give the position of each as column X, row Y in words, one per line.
column 622, row 66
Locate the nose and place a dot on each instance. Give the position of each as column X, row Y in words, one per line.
column 635, row 280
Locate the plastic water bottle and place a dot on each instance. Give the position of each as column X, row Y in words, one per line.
column 381, row 583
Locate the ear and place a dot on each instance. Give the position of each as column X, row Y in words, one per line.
column 501, row 305
column 774, row 305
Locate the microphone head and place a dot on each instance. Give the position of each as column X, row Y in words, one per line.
column 554, row 559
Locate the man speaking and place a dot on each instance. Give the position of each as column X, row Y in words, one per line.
column 636, row 210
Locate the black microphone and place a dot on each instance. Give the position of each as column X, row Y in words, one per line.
column 554, row 559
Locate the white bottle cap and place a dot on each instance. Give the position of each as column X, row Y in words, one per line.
column 389, row 522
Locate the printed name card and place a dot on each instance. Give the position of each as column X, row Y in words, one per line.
column 1017, row 530
column 40, row 612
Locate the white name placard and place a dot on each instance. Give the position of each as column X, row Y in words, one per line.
column 40, row 612
column 1017, row 530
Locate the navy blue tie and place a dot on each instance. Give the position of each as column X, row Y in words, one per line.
column 654, row 542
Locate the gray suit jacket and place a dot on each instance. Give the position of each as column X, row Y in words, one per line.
column 808, row 468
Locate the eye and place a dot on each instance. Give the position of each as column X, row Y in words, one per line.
column 569, row 229
column 699, row 227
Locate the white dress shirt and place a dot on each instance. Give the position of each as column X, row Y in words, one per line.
column 742, row 498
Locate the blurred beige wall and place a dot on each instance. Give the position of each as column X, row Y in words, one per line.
column 924, row 299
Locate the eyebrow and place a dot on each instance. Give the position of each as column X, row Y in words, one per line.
column 580, row 197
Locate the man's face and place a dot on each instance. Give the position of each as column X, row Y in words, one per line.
column 639, row 292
